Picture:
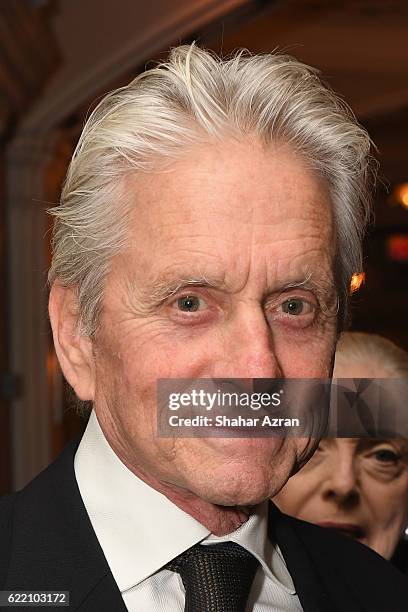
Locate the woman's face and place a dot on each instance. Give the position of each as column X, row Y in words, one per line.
column 356, row 486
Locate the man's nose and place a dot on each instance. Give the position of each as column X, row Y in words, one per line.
column 247, row 349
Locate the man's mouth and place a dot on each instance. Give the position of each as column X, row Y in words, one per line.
column 350, row 529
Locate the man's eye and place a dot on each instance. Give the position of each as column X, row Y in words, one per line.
column 293, row 306
column 189, row 303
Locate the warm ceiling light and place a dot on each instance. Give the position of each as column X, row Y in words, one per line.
column 356, row 281
column 400, row 194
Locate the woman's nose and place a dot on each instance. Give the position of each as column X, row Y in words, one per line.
column 342, row 482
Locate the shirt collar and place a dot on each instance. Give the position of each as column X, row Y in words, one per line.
column 140, row 530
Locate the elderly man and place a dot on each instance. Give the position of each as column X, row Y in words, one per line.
column 209, row 224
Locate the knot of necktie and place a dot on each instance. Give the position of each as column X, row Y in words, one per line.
column 216, row 577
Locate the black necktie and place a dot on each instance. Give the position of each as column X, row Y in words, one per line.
column 217, row 577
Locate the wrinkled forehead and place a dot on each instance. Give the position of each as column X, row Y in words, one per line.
column 243, row 179
column 229, row 212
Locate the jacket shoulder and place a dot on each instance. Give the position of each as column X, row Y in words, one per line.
column 50, row 541
column 6, row 511
column 23, row 515
column 367, row 575
column 6, row 526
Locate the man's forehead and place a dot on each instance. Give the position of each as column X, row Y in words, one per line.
column 215, row 178
column 267, row 230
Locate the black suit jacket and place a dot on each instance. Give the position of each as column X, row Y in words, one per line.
column 47, row 543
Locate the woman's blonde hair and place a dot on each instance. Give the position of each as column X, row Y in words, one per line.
column 360, row 347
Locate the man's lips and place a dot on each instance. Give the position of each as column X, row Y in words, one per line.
column 350, row 529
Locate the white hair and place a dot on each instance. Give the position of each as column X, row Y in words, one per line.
column 195, row 97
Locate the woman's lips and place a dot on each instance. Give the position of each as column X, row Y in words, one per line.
column 350, row 529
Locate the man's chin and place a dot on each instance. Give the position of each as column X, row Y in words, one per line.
column 237, row 489
column 222, row 506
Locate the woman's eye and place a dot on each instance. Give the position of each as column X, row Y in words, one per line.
column 189, row 303
column 293, row 306
column 385, row 455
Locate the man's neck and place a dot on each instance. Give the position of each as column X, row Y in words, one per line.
column 219, row 520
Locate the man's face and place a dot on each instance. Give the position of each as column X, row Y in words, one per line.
column 229, row 273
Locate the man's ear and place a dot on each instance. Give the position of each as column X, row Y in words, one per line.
column 74, row 351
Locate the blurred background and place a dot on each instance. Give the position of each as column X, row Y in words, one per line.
column 57, row 57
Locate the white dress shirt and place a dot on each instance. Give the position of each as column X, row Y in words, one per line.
column 140, row 530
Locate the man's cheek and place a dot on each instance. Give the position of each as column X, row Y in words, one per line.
column 143, row 367
column 319, row 359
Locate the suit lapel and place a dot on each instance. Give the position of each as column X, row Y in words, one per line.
column 308, row 583
column 104, row 596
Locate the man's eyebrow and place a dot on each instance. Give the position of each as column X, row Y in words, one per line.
column 324, row 289
column 321, row 286
column 164, row 287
